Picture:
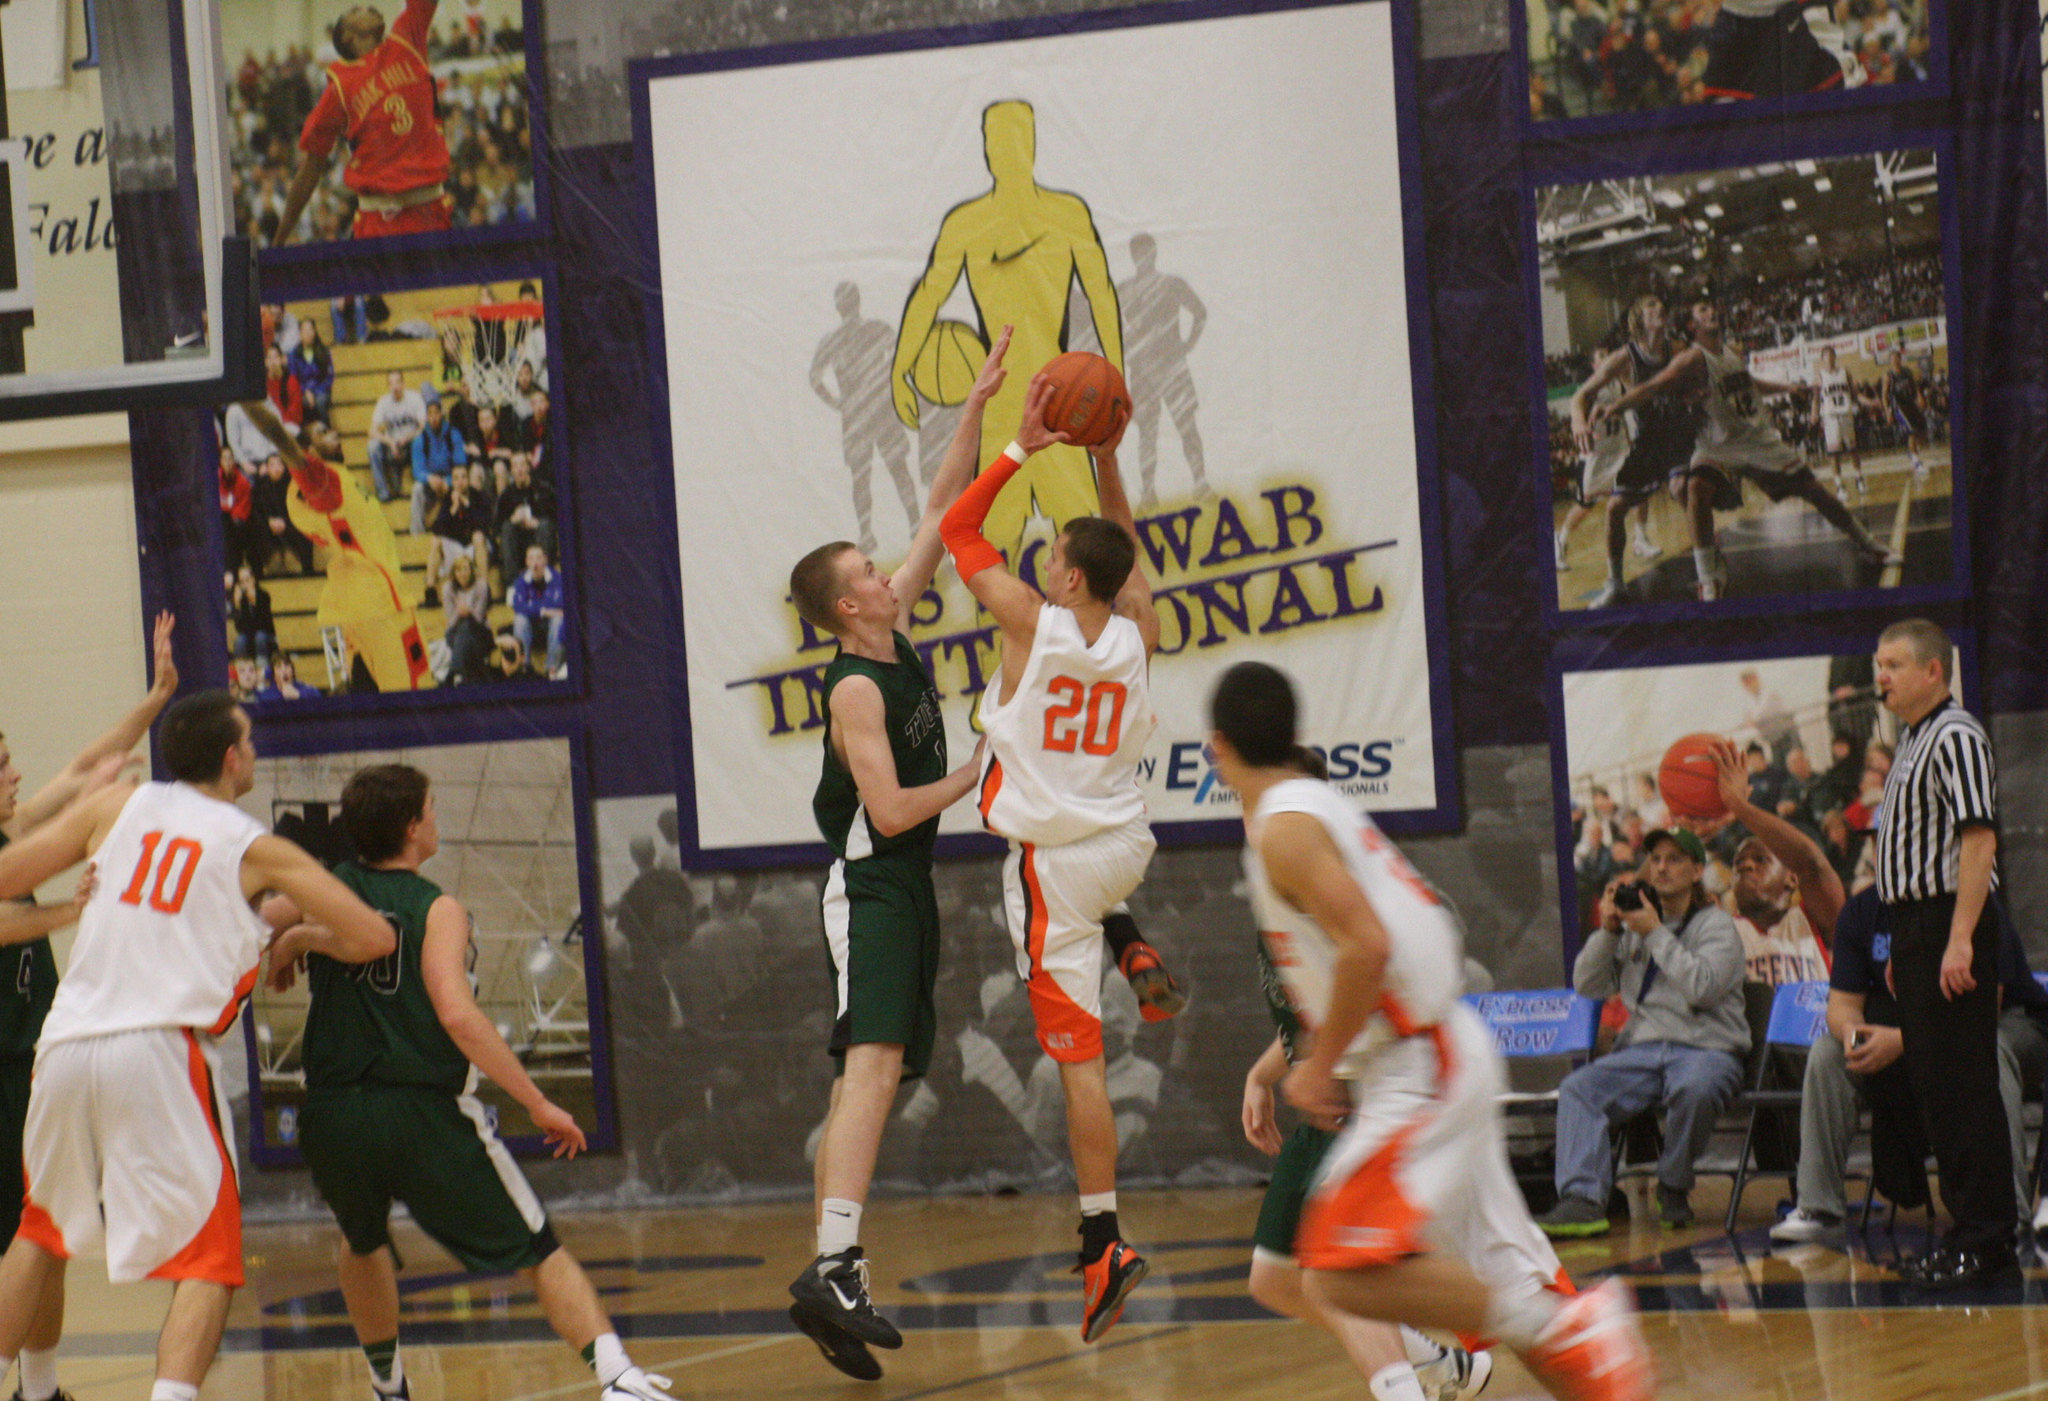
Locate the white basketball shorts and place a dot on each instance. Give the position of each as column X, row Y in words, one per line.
column 1055, row 898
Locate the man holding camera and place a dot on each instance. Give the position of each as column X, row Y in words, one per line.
column 1675, row 958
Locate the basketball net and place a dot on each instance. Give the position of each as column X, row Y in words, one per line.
column 491, row 337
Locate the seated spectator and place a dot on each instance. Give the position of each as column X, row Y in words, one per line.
column 1677, row 965
column 508, row 660
column 240, row 436
column 271, row 490
column 466, row 597
column 284, row 681
column 1861, row 1057
column 462, row 527
column 523, row 389
column 537, row 612
column 498, row 437
column 282, row 389
column 437, row 452
column 241, row 533
column 525, row 517
column 461, row 413
column 249, row 611
column 395, row 421
column 312, row 364
column 246, row 678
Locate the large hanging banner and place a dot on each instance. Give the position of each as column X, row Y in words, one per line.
column 1207, row 203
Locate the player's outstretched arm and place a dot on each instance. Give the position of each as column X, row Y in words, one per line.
column 1012, row 602
column 444, row 967
column 1607, row 372
column 66, row 839
column 859, row 723
column 914, row 575
column 1134, row 599
column 263, row 418
column 306, row 179
column 352, row 931
column 1689, row 361
column 1820, row 888
column 52, row 797
column 948, row 261
column 1309, row 873
column 24, row 923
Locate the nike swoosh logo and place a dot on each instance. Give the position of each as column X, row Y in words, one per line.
column 845, row 1303
column 1012, row 257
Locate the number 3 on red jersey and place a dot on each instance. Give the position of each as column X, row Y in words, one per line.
column 1098, row 731
column 173, row 873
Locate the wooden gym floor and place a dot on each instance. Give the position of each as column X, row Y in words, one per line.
column 981, row 1289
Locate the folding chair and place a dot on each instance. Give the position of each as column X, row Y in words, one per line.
column 1797, row 1018
column 1537, row 1023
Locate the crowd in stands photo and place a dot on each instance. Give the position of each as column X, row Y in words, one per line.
column 432, row 406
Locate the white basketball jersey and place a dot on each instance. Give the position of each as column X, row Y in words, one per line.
column 1062, row 757
column 168, row 939
column 1787, row 952
column 1754, row 9
column 1735, row 412
column 1835, row 395
column 1425, row 970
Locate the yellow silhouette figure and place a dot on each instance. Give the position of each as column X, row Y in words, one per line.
column 1021, row 246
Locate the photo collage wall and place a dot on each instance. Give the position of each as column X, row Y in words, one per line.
column 1743, row 284
column 395, row 546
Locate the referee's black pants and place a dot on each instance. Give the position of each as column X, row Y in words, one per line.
column 1951, row 1055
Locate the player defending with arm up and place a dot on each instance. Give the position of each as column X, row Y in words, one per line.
column 122, row 1148
column 884, row 784
column 394, row 1038
column 1067, row 719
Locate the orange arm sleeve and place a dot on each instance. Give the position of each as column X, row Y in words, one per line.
column 961, row 527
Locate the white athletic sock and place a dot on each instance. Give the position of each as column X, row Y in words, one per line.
column 1095, row 1203
column 1703, row 563
column 608, row 1358
column 838, row 1226
column 1422, row 1349
column 1517, row 1321
column 167, row 1390
column 38, row 1374
column 1396, row 1383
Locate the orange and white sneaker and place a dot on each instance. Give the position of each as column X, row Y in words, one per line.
column 1159, row 996
column 1594, row 1349
column 1105, row 1285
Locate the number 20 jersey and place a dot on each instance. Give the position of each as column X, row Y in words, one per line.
column 1062, row 758
column 1425, row 968
column 168, row 938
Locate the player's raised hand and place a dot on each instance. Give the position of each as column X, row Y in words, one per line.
column 558, row 1126
column 1032, row 434
column 1731, row 775
column 992, row 371
column 166, row 683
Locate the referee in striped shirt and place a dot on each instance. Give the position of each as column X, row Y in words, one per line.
column 1937, row 844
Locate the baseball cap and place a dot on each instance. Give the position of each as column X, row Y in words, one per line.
column 1685, row 841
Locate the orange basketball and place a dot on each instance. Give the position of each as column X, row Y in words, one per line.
column 1088, row 401
column 1686, row 778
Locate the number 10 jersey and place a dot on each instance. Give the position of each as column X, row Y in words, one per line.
column 1062, row 758
column 168, row 938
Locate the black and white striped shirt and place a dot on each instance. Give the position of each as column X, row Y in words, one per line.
column 1943, row 779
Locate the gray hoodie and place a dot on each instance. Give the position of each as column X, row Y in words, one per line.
column 1696, row 998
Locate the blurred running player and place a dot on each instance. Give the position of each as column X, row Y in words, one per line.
column 1414, row 1216
column 380, row 99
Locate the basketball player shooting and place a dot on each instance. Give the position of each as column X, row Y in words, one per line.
column 366, row 594
column 380, row 100
column 1067, row 719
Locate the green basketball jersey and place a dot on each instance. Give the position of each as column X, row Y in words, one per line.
column 30, row 973
column 1284, row 1015
column 373, row 1022
column 917, row 740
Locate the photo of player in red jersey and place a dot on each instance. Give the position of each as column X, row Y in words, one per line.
column 373, row 123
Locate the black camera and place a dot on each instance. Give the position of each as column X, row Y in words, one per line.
column 1634, row 894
